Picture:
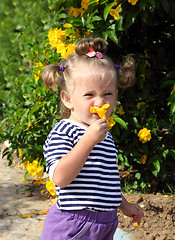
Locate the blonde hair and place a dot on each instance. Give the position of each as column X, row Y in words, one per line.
column 55, row 79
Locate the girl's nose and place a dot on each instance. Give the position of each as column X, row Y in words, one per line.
column 99, row 103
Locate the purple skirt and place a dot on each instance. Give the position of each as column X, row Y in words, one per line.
column 80, row 224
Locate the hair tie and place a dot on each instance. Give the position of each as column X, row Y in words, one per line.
column 117, row 66
column 61, row 68
column 92, row 53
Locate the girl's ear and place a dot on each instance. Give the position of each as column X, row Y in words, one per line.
column 66, row 99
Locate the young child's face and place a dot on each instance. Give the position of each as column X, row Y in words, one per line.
column 90, row 90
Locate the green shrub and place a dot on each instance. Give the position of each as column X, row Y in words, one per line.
column 29, row 110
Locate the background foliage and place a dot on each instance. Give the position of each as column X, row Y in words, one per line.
column 29, row 110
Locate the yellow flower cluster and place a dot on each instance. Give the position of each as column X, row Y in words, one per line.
column 33, row 168
column 37, row 70
column 57, row 38
column 133, row 2
column 144, row 135
column 114, row 12
column 102, row 114
column 50, row 186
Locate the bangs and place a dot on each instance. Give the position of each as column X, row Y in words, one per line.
column 80, row 67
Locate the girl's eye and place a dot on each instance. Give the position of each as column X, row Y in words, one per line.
column 88, row 95
column 107, row 94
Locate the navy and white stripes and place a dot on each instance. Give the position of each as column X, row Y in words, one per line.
column 97, row 186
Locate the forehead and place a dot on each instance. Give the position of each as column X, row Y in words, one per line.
column 101, row 76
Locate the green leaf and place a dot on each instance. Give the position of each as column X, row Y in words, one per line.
column 155, row 173
column 121, row 122
column 172, row 107
column 113, row 37
column 26, row 175
column 103, row 2
column 138, row 175
column 34, row 109
column 157, row 166
column 107, row 9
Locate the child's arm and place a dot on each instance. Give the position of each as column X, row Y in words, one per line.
column 71, row 164
column 131, row 210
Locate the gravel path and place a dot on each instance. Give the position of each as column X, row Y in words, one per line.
column 17, row 200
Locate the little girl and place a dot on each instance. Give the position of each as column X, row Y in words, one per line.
column 80, row 152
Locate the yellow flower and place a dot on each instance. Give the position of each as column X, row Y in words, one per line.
column 136, row 224
column 110, row 122
column 61, row 48
column 37, row 70
column 133, row 2
column 37, row 75
column 143, row 76
column 56, row 36
column 100, row 111
column 33, row 168
column 84, row 4
column 143, row 158
column 50, row 186
column 102, row 114
column 26, row 215
column 66, row 49
column 77, row 33
column 114, row 12
column 139, row 105
column 47, row 89
column 88, row 33
column 69, row 50
column 67, row 25
column 144, row 135
column 120, row 111
column 20, row 152
column 76, row 11
column 30, row 125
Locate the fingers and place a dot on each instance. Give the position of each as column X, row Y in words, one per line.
column 138, row 216
column 98, row 129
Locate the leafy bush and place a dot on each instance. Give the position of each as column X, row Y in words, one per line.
column 34, row 34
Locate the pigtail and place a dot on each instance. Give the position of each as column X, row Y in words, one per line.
column 98, row 44
column 51, row 76
column 127, row 72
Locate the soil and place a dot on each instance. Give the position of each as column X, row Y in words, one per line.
column 159, row 217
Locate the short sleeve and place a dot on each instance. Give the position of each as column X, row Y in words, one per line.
column 57, row 145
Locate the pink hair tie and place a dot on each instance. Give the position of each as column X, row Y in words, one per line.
column 92, row 53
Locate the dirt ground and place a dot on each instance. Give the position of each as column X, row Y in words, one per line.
column 159, row 217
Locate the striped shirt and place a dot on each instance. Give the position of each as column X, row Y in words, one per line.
column 97, row 186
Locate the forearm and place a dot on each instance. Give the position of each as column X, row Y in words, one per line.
column 71, row 164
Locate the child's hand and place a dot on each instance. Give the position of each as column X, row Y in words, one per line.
column 97, row 130
column 132, row 210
